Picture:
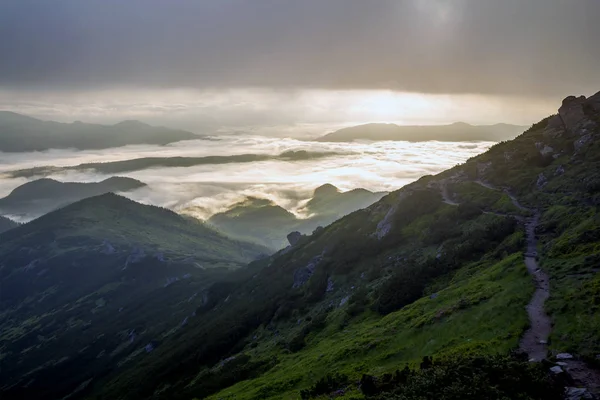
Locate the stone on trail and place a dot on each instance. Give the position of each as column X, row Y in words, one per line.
column 564, row 356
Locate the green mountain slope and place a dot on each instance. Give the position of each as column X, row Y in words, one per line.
column 89, row 287
column 264, row 222
column 434, row 269
column 456, row 132
column 22, row 133
column 38, row 197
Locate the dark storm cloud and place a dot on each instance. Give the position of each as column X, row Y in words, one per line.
column 540, row 47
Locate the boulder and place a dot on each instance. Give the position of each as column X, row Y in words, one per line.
column 564, row 356
column 556, row 370
column 571, row 112
column 294, row 237
column 573, row 393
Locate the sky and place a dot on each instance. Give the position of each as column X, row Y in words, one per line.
column 237, row 63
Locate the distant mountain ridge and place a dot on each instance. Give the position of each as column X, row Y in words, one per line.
column 20, row 133
column 38, row 197
column 136, row 164
column 456, row 132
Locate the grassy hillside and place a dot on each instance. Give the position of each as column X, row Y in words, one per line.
column 434, row 269
column 90, row 287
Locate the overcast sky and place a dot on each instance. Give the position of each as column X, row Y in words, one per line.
column 56, row 54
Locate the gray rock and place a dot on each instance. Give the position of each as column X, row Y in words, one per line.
column 433, row 296
column 562, row 364
column 573, row 393
column 556, row 370
column 329, row 285
column 572, row 114
column 541, row 181
column 559, row 170
column 582, row 141
column 544, row 149
column 302, row 275
column 149, row 347
column 564, row 356
column 294, row 237
column 385, row 225
column 344, row 300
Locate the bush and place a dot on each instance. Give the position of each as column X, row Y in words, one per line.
column 489, row 377
column 326, row 385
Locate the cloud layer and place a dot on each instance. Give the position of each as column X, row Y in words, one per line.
column 205, row 189
column 545, row 47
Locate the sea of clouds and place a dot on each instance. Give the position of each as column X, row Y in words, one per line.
column 205, row 189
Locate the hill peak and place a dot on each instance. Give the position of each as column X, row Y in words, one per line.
column 325, row 190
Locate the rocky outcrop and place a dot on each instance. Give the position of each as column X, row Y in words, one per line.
column 573, row 393
column 294, row 237
column 541, row 181
column 544, row 149
column 302, row 275
column 575, row 111
column 330, row 285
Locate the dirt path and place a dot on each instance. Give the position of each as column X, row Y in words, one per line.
column 446, row 196
column 534, row 341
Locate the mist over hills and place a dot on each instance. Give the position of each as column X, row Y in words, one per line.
column 20, row 133
column 6, row 224
column 457, row 132
column 438, row 268
column 264, row 222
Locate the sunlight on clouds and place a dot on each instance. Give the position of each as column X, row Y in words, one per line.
column 208, row 111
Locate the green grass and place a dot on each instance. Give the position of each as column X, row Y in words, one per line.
column 484, row 198
column 457, row 321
